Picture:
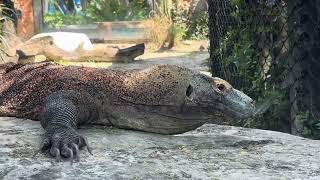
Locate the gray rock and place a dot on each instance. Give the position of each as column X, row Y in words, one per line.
column 198, row 6
column 210, row 152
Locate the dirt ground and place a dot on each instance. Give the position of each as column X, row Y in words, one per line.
column 190, row 54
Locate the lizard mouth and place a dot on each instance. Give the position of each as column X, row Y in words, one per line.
column 234, row 106
column 238, row 105
column 223, row 112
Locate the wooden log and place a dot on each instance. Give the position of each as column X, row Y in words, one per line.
column 81, row 51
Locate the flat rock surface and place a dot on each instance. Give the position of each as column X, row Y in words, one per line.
column 210, row 152
column 193, row 60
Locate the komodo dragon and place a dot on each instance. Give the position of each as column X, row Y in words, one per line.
column 163, row 99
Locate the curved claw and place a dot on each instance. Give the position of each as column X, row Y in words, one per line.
column 64, row 144
column 75, row 149
column 55, row 152
column 65, row 151
column 71, row 155
column 86, row 143
column 83, row 142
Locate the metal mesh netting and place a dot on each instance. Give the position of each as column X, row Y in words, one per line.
column 269, row 49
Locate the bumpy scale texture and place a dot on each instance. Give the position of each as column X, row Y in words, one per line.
column 25, row 87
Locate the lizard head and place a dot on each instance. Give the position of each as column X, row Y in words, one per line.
column 180, row 99
column 218, row 98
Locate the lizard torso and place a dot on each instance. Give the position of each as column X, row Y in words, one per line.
column 156, row 99
column 161, row 99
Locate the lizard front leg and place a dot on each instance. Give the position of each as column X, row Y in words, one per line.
column 63, row 113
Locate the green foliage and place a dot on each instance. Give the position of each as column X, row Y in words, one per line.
column 111, row 10
column 106, row 10
column 57, row 20
column 178, row 32
column 100, row 10
column 138, row 11
column 197, row 27
column 311, row 128
column 179, row 27
column 247, row 47
column 239, row 50
column 3, row 17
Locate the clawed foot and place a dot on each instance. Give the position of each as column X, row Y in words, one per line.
column 65, row 143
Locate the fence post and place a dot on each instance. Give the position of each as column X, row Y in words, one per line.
column 220, row 22
column 38, row 16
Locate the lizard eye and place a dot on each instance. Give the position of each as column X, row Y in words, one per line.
column 189, row 90
column 221, row 87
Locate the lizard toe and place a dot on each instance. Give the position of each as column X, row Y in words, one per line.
column 83, row 142
column 55, row 152
column 75, row 149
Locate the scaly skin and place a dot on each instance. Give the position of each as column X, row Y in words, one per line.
column 162, row 99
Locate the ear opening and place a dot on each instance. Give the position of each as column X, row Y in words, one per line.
column 189, row 90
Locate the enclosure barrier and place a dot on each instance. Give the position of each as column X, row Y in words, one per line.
column 270, row 50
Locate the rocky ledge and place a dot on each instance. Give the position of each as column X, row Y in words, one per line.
column 210, row 152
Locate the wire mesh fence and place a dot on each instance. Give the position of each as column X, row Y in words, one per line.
column 268, row 49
